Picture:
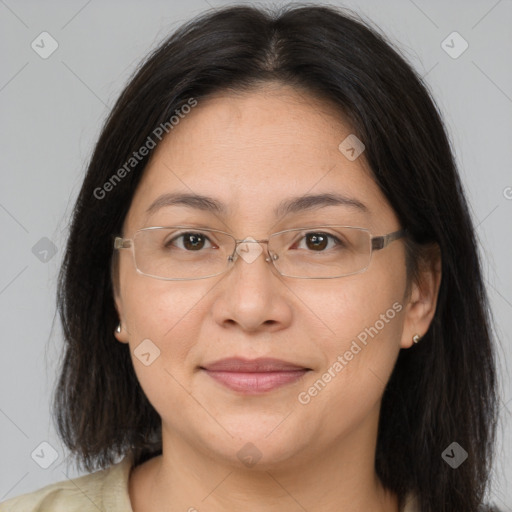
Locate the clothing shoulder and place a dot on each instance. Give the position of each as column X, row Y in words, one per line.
column 104, row 490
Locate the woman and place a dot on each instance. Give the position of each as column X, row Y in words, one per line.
column 271, row 295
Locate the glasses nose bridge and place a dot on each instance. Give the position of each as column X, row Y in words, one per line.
column 246, row 240
column 268, row 257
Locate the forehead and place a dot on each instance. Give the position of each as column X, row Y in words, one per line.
column 251, row 150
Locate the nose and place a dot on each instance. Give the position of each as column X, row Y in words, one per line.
column 250, row 296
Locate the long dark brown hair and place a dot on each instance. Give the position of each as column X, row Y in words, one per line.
column 442, row 390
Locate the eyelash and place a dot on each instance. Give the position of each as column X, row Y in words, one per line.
column 328, row 235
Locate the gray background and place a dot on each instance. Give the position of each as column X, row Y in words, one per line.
column 52, row 110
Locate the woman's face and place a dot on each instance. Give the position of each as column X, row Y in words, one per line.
column 250, row 152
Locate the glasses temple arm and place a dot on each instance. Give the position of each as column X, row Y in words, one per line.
column 122, row 243
column 379, row 242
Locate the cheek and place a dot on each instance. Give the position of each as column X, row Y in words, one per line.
column 357, row 304
column 163, row 322
column 155, row 309
column 366, row 317
column 359, row 363
column 163, row 319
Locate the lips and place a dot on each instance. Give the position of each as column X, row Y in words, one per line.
column 254, row 376
column 237, row 364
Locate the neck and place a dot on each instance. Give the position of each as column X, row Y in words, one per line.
column 340, row 476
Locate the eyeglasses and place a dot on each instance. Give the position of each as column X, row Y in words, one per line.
column 185, row 253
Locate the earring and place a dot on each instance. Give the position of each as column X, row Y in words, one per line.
column 118, row 328
column 416, row 338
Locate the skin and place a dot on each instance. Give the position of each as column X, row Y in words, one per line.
column 250, row 150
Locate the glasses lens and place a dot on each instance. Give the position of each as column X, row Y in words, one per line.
column 182, row 252
column 321, row 252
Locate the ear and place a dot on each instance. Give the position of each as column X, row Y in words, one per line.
column 118, row 302
column 123, row 335
column 423, row 295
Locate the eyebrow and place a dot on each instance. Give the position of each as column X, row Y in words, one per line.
column 286, row 207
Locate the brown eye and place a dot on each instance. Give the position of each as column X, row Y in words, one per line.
column 318, row 242
column 190, row 241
